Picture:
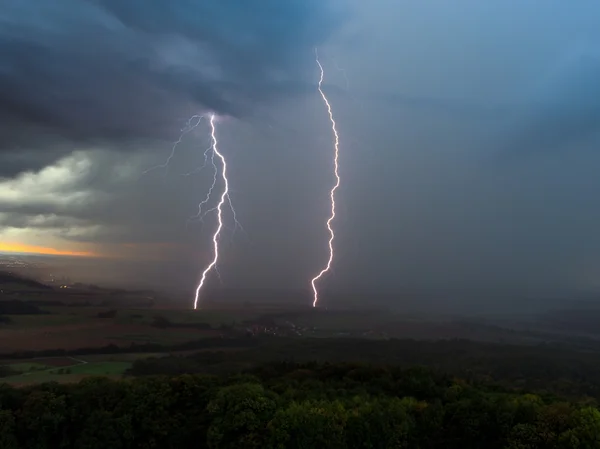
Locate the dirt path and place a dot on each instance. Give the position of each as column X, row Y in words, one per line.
column 54, row 368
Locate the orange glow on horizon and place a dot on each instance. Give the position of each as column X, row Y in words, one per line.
column 22, row 248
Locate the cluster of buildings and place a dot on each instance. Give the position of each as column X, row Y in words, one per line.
column 285, row 329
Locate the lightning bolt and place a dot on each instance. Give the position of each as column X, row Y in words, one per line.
column 210, row 155
column 203, row 166
column 343, row 72
column 336, row 147
column 200, row 215
column 224, row 198
column 192, row 124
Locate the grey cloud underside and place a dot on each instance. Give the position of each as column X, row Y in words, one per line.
column 93, row 197
column 112, row 70
column 19, row 161
column 39, row 221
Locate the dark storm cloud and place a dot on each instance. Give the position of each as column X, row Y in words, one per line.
column 19, row 161
column 113, row 69
column 91, row 196
column 464, row 161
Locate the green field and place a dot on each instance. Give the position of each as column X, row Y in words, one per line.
column 32, row 372
column 128, row 357
column 101, row 368
column 27, row 367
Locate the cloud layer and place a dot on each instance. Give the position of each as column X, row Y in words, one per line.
column 113, row 70
column 469, row 139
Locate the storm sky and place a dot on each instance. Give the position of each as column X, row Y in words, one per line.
column 469, row 139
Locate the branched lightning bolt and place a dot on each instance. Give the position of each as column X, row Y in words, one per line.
column 203, row 166
column 219, row 208
column 200, row 215
column 191, row 124
column 343, row 72
column 336, row 147
column 209, row 155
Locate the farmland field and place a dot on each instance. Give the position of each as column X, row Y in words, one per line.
column 64, row 369
column 99, row 340
column 76, row 327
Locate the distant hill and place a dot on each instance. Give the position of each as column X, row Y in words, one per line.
column 14, row 281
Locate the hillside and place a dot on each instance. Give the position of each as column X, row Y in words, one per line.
column 12, row 281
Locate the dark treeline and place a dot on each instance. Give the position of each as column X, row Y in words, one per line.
column 205, row 343
column 297, row 406
column 543, row 368
column 8, row 278
column 550, row 368
column 163, row 322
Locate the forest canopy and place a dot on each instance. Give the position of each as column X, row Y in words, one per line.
column 291, row 405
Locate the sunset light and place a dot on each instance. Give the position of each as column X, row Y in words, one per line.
column 32, row 249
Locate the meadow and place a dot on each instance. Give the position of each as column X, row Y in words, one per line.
column 63, row 369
